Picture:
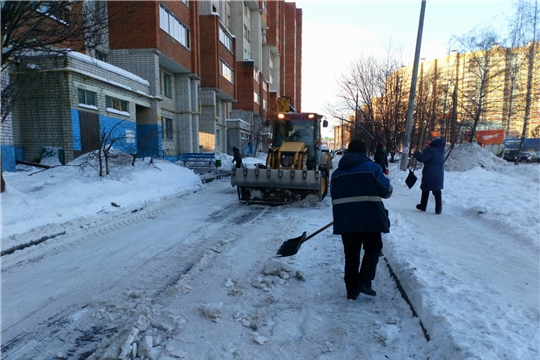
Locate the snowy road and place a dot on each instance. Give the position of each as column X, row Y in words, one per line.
column 85, row 293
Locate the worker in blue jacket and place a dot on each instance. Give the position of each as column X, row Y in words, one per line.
column 432, row 173
column 357, row 188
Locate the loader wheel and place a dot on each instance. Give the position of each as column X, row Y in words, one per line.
column 324, row 184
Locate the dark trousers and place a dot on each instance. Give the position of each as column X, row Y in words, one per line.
column 438, row 199
column 352, row 245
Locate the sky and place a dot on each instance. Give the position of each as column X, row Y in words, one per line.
column 337, row 32
column 471, row 274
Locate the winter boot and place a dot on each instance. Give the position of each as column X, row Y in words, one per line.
column 365, row 288
column 438, row 201
column 423, row 201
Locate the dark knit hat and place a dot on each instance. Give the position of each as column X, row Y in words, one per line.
column 357, row 146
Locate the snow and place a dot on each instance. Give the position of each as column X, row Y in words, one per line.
column 107, row 66
column 470, row 275
column 90, row 60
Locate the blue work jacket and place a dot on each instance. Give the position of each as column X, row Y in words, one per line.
column 357, row 188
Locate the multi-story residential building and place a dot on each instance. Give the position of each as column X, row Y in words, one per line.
column 269, row 63
column 487, row 87
column 177, row 76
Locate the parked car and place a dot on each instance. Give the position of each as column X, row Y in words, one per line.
column 327, row 151
column 325, row 148
column 511, row 155
column 536, row 157
column 526, row 156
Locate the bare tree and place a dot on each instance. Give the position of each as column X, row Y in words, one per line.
column 522, row 40
column 371, row 91
column 485, row 64
column 51, row 26
column 525, row 33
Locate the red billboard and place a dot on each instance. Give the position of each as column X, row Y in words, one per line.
column 489, row 137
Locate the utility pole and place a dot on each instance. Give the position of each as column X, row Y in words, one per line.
column 412, row 94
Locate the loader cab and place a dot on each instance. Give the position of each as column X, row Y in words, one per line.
column 300, row 127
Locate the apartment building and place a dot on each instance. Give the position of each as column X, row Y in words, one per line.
column 487, row 86
column 177, row 76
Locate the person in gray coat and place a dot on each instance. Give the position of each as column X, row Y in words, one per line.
column 432, row 174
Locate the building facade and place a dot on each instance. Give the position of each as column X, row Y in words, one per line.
column 485, row 90
column 175, row 77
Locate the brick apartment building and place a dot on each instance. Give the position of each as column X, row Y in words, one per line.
column 178, row 76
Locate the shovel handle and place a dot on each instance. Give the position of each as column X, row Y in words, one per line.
column 318, row 231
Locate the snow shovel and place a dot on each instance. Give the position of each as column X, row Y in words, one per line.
column 291, row 246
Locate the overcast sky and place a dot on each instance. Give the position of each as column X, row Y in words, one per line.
column 336, row 32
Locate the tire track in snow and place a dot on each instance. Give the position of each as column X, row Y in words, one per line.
column 161, row 271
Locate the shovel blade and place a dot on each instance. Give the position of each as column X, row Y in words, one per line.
column 411, row 179
column 291, row 246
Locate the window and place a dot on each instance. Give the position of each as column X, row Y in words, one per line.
column 172, row 26
column 256, row 97
column 265, row 104
column 116, row 104
column 167, row 128
column 226, row 71
column 166, row 84
column 101, row 56
column 256, row 75
column 100, row 11
column 225, row 39
column 56, row 10
column 246, row 33
column 87, row 97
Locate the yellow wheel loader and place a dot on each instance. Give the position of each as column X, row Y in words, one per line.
column 295, row 167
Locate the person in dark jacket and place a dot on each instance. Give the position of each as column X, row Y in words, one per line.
column 432, row 174
column 237, row 157
column 357, row 187
column 381, row 158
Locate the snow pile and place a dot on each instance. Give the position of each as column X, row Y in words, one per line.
column 467, row 156
column 32, row 191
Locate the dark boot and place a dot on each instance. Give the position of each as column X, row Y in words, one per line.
column 438, row 201
column 367, row 272
column 366, row 290
column 423, row 201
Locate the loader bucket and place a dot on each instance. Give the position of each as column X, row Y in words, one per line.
column 278, row 186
